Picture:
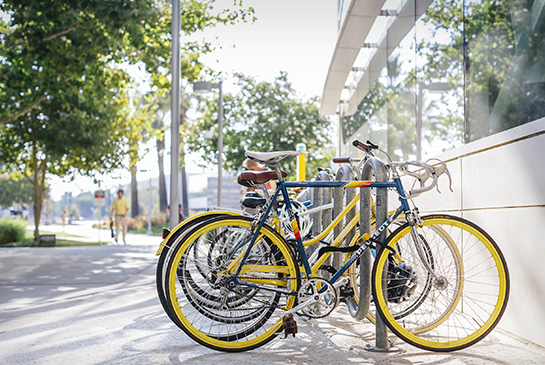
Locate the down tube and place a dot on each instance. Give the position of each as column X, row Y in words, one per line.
column 365, row 245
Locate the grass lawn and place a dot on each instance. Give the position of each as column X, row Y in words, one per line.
column 66, row 239
column 62, row 240
column 155, row 230
column 60, row 243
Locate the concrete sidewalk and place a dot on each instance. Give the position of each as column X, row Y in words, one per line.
column 98, row 305
column 83, row 231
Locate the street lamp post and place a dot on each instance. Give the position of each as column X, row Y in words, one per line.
column 150, row 208
column 175, row 114
column 204, row 87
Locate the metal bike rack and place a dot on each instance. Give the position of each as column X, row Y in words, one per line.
column 377, row 168
column 341, row 197
column 321, row 196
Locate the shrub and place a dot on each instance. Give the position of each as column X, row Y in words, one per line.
column 12, row 230
column 158, row 220
column 137, row 222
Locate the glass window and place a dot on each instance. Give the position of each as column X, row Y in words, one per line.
column 401, row 100
column 466, row 70
column 505, row 63
column 440, row 78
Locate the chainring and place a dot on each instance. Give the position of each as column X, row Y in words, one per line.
column 322, row 290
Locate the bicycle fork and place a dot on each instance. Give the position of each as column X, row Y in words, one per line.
column 414, row 222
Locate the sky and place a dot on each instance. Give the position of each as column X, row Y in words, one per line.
column 296, row 36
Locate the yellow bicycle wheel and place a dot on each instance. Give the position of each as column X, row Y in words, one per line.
column 219, row 308
column 441, row 286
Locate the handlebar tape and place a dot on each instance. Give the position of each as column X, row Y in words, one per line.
column 361, row 146
column 341, row 159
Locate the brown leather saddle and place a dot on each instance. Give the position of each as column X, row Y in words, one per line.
column 251, row 178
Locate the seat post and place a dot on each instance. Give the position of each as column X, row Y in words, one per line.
column 278, row 171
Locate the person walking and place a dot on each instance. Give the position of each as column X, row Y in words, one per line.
column 121, row 208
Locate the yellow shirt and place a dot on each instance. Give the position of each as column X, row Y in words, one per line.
column 120, row 206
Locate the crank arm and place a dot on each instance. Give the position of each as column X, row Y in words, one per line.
column 314, row 298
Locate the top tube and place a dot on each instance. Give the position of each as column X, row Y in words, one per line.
column 340, row 184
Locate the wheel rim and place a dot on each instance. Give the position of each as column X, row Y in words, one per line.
column 479, row 297
column 236, row 338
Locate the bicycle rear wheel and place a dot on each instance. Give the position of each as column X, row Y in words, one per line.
column 216, row 307
column 166, row 251
column 449, row 295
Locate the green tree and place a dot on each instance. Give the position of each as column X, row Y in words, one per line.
column 263, row 116
column 15, row 190
column 62, row 88
column 61, row 92
column 160, row 106
column 496, row 46
column 67, row 134
column 138, row 131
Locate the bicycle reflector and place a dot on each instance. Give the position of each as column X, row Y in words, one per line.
column 166, row 232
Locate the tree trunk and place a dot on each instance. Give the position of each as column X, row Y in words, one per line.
column 38, row 183
column 134, row 193
column 37, row 208
column 162, row 182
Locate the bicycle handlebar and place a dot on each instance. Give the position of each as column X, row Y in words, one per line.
column 341, row 159
column 427, row 170
column 345, row 159
column 423, row 176
column 361, row 146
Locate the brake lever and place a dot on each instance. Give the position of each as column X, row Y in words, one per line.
column 440, row 170
column 449, row 180
column 371, row 145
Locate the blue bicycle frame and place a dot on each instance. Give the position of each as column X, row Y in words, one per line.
column 282, row 188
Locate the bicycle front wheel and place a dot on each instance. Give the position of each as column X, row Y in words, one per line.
column 441, row 286
column 220, row 308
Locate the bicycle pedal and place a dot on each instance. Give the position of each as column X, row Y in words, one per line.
column 346, row 292
column 289, row 326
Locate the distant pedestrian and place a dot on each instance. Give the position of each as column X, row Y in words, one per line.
column 120, row 208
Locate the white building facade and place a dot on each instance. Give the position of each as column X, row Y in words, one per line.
column 463, row 81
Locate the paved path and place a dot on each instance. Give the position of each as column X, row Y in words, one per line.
column 98, row 305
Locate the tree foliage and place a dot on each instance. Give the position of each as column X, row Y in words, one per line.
column 63, row 90
column 263, row 116
column 496, row 46
column 15, row 190
column 389, row 101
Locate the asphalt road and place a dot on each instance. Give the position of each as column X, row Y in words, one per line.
column 98, row 305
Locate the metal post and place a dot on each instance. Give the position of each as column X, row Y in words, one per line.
column 99, row 222
column 301, row 163
column 220, row 143
column 341, row 197
column 321, row 196
column 185, row 199
column 372, row 167
column 419, row 105
column 150, row 207
column 175, row 114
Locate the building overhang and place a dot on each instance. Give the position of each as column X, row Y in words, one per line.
column 370, row 31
